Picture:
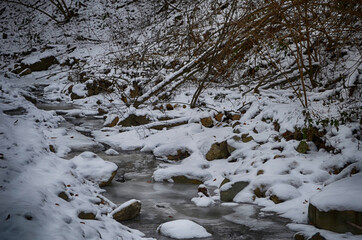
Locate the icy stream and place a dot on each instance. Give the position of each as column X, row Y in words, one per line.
column 162, row 202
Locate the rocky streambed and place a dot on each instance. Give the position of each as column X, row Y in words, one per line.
column 162, row 202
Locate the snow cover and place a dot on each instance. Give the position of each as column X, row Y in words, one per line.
column 183, row 229
column 93, row 168
column 32, row 177
column 342, row 195
column 203, row 201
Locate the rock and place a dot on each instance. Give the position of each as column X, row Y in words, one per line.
column 169, row 107
column 127, row 211
column 41, row 65
column 181, row 154
column 219, row 117
column 317, row 236
column 275, row 199
column 299, row 236
column 336, row 221
column 235, row 117
column 102, row 111
column 87, row 215
column 113, row 123
column 134, row 120
column 260, row 172
column 207, row 122
column 230, row 148
column 227, row 193
column 52, row 148
column 64, row 196
column 185, row 180
column 74, row 96
column 202, row 189
column 106, row 183
column 218, row 151
column 95, row 87
column 260, row 191
column 302, row 147
column 246, row 138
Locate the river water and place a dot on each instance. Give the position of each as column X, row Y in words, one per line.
column 162, row 202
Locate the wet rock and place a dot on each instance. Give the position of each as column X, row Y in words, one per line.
column 181, row 154
column 302, row 147
column 207, row 122
column 336, row 221
column 87, row 215
column 106, row 183
column 218, row 151
column 227, row 193
column 134, row 120
column 127, row 211
column 185, row 180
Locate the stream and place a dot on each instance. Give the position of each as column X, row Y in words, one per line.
column 162, row 202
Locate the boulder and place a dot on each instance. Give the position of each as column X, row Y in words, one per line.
column 41, row 65
column 87, row 215
column 207, row 122
column 229, row 190
column 218, row 151
column 181, row 154
column 134, row 120
column 108, row 182
column 185, row 180
column 336, row 221
column 127, row 211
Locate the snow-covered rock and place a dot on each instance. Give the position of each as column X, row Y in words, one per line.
column 95, row 168
column 183, row 229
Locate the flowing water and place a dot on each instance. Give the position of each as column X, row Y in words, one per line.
column 162, row 202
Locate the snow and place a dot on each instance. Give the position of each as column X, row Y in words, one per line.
column 343, row 195
column 31, row 176
column 183, row 229
column 80, row 90
column 111, row 151
column 93, row 168
column 203, row 201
